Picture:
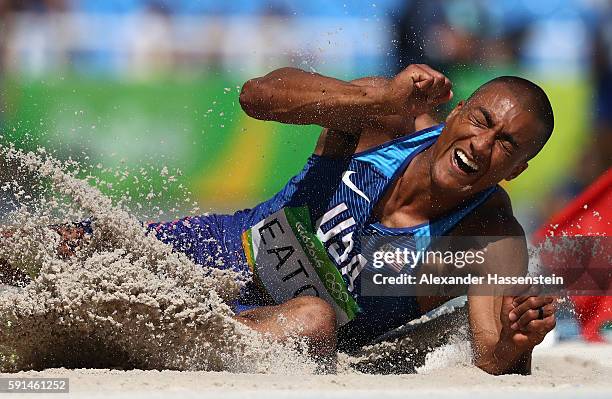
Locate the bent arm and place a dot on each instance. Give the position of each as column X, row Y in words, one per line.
column 425, row 121
column 494, row 350
column 294, row 96
column 290, row 95
column 506, row 327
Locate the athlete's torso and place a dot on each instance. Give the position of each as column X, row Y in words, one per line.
column 314, row 236
column 308, row 238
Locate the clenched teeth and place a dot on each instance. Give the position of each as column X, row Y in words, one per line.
column 466, row 161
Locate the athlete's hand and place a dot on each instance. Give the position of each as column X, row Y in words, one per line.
column 521, row 322
column 417, row 90
column 72, row 238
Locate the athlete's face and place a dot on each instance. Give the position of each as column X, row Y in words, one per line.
column 486, row 140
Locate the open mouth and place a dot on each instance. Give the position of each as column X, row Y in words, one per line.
column 464, row 163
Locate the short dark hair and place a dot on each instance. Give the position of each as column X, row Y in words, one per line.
column 533, row 98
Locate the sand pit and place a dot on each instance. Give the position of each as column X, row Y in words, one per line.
column 125, row 305
column 563, row 371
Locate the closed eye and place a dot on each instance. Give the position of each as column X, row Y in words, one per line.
column 478, row 121
column 487, row 117
column 507, row 147
column 508, row 143
column 508, row 138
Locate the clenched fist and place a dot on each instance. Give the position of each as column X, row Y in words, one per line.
column 417, row 89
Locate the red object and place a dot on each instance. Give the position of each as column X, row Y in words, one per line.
column 588, row 215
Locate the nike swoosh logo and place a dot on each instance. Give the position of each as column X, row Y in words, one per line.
column 346, row 179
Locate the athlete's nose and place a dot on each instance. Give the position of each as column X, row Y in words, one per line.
column 482, row 144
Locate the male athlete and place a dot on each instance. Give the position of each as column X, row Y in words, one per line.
column 381, row 167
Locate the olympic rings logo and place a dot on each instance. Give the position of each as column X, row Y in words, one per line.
column 336, row 288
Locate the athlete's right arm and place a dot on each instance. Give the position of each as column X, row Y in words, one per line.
column 290, row 95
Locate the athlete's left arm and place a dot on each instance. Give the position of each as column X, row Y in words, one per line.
column 505, row 329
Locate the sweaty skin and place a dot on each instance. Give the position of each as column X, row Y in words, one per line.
column 494, row 131
column 433, row 184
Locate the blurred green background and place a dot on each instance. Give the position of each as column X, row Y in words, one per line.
column 142, row 83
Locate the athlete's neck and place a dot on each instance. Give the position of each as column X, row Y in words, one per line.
column 417, row 195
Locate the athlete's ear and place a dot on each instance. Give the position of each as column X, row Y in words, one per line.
column 455, row 111
column 517, row 171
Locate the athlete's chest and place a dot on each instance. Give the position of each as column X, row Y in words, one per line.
column 350, row 207
column 393, row 210
column 402, row 203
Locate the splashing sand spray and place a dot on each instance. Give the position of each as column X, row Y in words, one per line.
column 124, row 300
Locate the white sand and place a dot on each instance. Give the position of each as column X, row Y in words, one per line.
column 124, row 299
column 566, row 370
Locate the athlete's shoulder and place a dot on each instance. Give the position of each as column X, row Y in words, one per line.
column 338, row 144
column 494, row 217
